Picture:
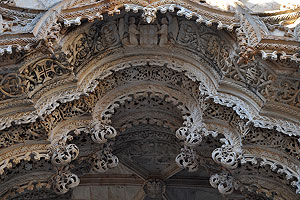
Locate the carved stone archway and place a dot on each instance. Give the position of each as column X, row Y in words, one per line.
column 139, row 93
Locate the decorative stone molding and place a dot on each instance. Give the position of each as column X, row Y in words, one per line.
column 223, row 182
column 278, row 165
column 23, row 153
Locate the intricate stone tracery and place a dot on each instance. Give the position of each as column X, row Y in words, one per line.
column 154, row 71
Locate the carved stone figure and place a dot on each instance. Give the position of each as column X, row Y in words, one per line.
column 163, row 32
column 133, row 32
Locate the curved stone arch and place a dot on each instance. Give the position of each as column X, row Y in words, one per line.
column 65, row 127
column 23, row 152
column 260, row 185
column 27, row 184
column 104, row 108
column 277, row 161
column 244, row 110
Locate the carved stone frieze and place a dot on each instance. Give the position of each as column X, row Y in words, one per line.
column 11, row 86
column 41, row 71
column 17, row 135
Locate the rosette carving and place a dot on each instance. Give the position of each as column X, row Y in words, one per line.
column 154, row 188
column 223, row 181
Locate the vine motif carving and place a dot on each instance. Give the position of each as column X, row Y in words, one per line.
column 98, row 38
column 45, row 70
column 287, row 91
column 15, row 135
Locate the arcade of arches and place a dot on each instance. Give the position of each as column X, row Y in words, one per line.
column 161, row 99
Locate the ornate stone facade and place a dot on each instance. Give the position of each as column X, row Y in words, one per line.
column 164, row 98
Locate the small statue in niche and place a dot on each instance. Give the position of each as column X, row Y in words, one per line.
column 133, row 32
column 128, row 32
column 148, row 35
column 173, row 28
column 163, row 32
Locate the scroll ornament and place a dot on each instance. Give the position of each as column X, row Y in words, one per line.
column 223, row 181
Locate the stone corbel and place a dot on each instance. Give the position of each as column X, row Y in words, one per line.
column 103, row 133
column 223, row 182
column 62, row 155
